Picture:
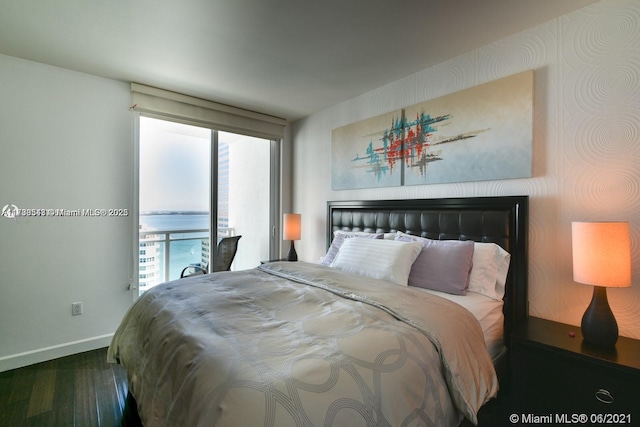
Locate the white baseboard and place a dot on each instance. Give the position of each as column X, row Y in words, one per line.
column 27, row 358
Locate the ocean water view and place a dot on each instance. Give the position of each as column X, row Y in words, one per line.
column 182, row 252
column 175, row 221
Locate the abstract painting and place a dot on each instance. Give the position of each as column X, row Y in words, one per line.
column 481, row 133
column 367, row 153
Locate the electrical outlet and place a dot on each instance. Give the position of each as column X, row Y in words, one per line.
column 76, row 308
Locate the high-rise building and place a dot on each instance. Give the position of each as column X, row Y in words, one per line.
column 223, row 201
column 223, row 185
column 149, row 261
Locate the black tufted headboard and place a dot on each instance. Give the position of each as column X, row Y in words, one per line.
column 501, row 220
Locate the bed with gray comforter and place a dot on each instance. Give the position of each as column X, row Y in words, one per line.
column 301, row 344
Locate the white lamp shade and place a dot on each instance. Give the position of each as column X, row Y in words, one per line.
column 601, row 253
column 292, row 227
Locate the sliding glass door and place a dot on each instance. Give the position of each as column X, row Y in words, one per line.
column 244, row 195
column 196, row 186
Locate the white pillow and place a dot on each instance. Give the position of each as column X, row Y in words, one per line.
column 389, row 260
column 358, row 233
column 489, row 272
column 338, row 238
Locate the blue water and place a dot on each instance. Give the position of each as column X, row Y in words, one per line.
column 175, row 222
column 182, row 252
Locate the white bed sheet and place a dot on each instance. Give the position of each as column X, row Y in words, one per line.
column 488, row 312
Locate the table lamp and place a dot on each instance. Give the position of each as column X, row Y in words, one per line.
column 292, row 230
column 602, row 258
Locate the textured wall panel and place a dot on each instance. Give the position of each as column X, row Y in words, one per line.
column 443, row 79
column 586, row 148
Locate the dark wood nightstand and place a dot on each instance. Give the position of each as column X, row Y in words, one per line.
column 555, row 373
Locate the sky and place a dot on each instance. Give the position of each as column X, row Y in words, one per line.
column 174, row 166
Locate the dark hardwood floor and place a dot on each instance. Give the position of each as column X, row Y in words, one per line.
column 78, row 390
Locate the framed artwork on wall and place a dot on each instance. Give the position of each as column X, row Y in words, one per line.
column 477, row 134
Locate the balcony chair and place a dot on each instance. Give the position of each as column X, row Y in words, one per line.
column 227, row 248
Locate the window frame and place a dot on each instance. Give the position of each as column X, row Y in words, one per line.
column 275, row 183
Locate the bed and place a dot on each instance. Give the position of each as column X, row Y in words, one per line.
column 323, row 343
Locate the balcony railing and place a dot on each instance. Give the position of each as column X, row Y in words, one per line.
column 156, row 247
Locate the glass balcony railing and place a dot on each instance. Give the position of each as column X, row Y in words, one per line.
column 163, row 254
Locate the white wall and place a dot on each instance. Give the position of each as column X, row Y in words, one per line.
column 586, row 146
column 65, row 142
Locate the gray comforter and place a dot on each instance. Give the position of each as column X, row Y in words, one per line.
column 298, row 344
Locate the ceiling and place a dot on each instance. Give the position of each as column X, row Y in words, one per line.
column 287, row 58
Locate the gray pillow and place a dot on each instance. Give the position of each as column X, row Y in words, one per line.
column 442, row 265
